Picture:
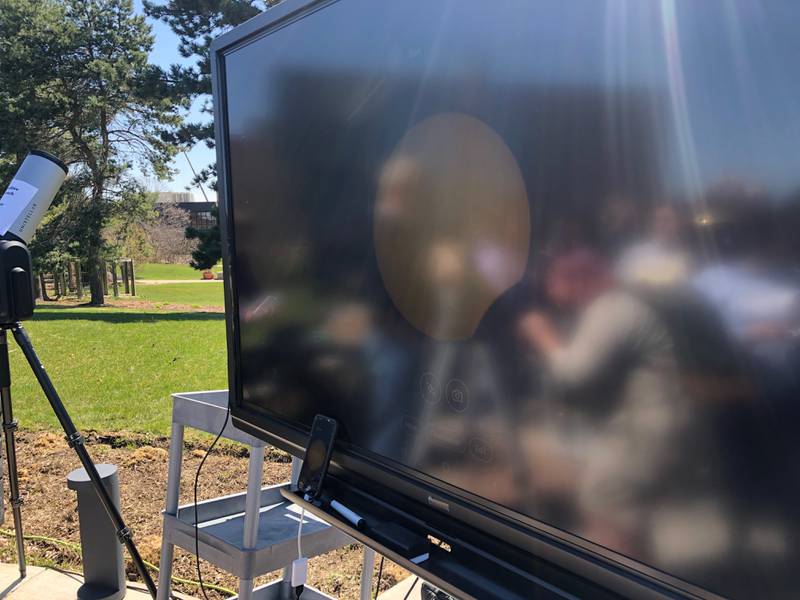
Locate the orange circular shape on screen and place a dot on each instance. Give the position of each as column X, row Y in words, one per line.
column 452, row 224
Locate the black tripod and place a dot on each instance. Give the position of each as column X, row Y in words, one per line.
column 16, row 304
column 74, row 439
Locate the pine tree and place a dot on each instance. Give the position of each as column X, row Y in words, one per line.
column 81, row 85
column 197, row 23
column 209, row 245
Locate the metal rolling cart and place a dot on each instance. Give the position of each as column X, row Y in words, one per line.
column 247, row 534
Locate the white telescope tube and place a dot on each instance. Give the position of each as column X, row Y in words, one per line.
column 30, row 194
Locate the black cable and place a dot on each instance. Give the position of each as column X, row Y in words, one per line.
column 380, row 573
column 196, row 480
column 408, row 593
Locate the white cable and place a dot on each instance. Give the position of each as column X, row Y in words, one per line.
column 300, row 532
column 299, row 564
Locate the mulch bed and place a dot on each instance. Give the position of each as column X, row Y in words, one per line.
column 50, row 509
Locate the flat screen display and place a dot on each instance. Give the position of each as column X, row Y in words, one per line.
column 545, row 254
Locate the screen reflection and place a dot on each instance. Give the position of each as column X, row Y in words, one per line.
column 545, row 253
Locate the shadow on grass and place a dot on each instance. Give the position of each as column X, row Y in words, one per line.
column 115, row 315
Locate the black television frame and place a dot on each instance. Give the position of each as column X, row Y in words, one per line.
column 444, row 505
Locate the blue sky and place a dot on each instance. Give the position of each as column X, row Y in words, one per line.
column 165, row 53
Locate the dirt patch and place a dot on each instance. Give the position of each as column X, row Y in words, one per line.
column 165, row 306
column 170, row 281
column 135, row 304
column 145, row 455
column 50, row 509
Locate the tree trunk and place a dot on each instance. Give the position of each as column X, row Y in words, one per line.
column 43, row 288
column 96, row 276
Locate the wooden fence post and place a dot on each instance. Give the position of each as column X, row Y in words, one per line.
column 79, row 278
column 124, row 266
column 114, row 282
column 133, row 279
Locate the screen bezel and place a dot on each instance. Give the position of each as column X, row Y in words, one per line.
column 586, row 559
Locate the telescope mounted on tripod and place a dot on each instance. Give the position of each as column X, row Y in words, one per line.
column 22, row 207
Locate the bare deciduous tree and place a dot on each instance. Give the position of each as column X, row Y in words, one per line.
column 167, row 235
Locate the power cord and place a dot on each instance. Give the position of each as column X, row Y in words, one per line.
column 196, row 481
column 300, row 532
column 408, row 593
column 380, row 574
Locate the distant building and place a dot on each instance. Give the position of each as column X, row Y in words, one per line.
column 174, row 197
column 199, row 212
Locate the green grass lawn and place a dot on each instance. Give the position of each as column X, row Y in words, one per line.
column 208, row 293
column 116, row 368
column 161, row 271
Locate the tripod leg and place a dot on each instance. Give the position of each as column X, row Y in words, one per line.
column 75, row 440
column 9, row 426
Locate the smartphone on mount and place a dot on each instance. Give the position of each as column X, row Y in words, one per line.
column 318, row 457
